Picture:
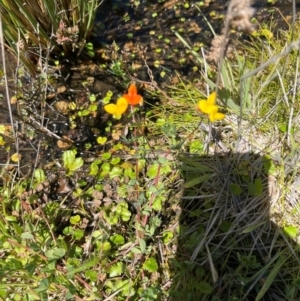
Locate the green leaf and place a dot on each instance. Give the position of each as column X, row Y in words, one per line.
column 43, row 287
column 150, row 265
column 253, row 227
column 103, row 246
column 78, row 234
column 92, row 98
column 256, row 188
column 91, row 275
column 167, row 236
column 142, row 245
column 225, row 226
column 69, row 161
column 196, row 181
column 157, row 169
column 117, row 239
column 68, row 231
column 123, row 212
column 3, row 293
column 235, row 189
column 153, row 171
column 94, row 169
column 97, row 234
column 75, row 219
column 205, row 287
column 106, row 156
column 116, row 269
column 68, row 158
column 291, row 231
column 10, row 218
column 55, row 253
column 76, row 164
column 105, row 169
column 112, row 218
column 270, row 279
column 157, row 203
column 116, row 172
column 149, row 294
column 165, row 169
column 101, row 140
column 267, row 164
column 92, row 262
column 39, row 175
column 26, row 235
column 196, row 146
column 192, row 165
column 136, row 251
column 115, row 160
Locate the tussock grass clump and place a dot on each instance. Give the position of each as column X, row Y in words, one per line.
column 33, row 27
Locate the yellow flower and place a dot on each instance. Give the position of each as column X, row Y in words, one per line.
column 210, row 108
column 216, row 116
column 15, row 157
column 206, row 106
column 117, row 109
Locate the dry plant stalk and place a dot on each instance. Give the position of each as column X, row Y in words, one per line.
column 238, row 17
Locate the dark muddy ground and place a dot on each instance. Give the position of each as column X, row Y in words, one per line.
column 145, row 30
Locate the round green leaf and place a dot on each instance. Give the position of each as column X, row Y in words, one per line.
column 117, row 239
column 55, row 253
column 291, row 231
column 26, row 235
column 205, row 287
column 75, row 219
column 150, row 265
column 235, row 189
column 101, row 140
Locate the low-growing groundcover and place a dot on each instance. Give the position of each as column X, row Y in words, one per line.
column 171, row 203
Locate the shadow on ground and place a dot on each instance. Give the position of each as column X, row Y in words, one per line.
column 228, row 247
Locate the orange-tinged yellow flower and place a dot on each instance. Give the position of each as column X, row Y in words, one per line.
column 117, row 109
column 133, row 98
column 210, row 108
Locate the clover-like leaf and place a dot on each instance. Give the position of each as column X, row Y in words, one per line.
column 116, row 269
column 101, row 140
column 123, row 212
column 117, row 239
column 235, row 189
column 39, row 175
column 256, row 188
column 75, row 219
column 55, row 253
column 150, row 265
column 76, row 164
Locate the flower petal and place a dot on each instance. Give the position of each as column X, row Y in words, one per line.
column 211, row 100
column 136, row 100
column 211, row 109
column 122, row 106
column 216, row 116
column 110, row 108
column 202, row 105
column 133, row 100
column 132, row 90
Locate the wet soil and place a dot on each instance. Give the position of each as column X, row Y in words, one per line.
column 145, row 30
